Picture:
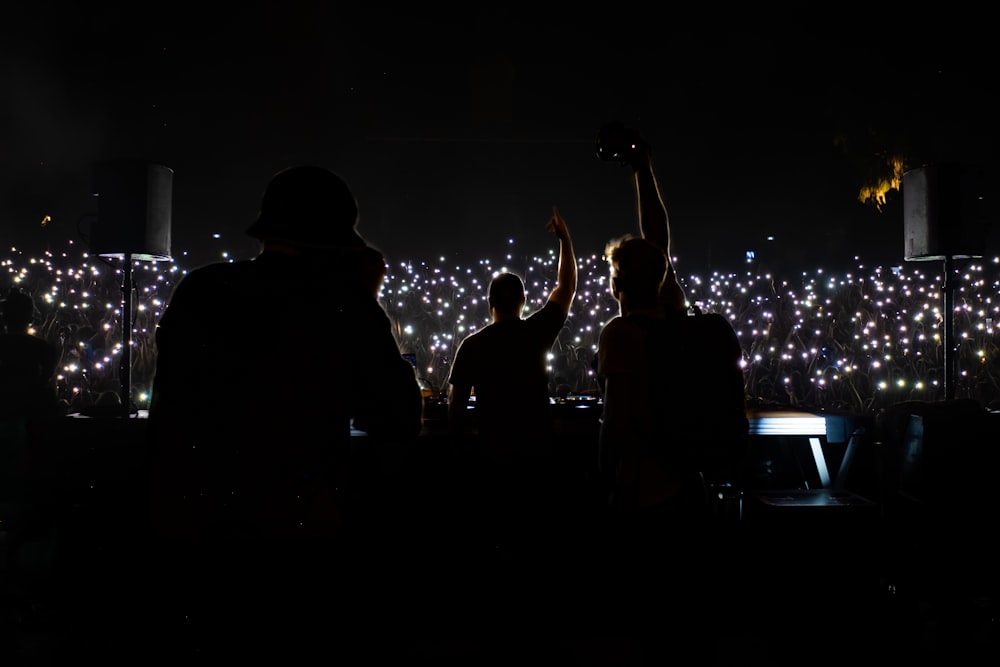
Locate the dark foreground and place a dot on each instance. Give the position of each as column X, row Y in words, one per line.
column 887, row 558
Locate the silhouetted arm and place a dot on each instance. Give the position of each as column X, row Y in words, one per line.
column 565, row 290
column 654, row 224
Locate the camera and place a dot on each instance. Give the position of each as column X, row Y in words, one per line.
column 618, row 143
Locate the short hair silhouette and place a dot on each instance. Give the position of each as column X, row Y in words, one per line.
column 507, row 293
column 18, row 311
column 638, row 265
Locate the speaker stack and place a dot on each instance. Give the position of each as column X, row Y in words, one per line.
column 944, row 212
column 945, row 218
column 134, row 200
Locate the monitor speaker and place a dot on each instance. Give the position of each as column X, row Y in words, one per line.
column 944, row 214
column 134, row 200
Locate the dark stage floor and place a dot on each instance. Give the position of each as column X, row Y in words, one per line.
column 789, row 577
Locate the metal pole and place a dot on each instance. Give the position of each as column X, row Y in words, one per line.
column 125, row 370
column 950, row 352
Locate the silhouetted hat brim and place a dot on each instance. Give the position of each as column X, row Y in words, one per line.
column 307, row 206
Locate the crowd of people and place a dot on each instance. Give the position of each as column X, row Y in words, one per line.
column 855, row 340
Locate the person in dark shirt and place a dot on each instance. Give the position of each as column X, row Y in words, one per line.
column 255, row 532
column 674, row 420
column 505, row 366
column 246, row 429
column 505, row 362
column 674, row 412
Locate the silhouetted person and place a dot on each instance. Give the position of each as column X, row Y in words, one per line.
column 27, row 363
column 249, row 429
column 29, row 407
column 654, row 360
column 246, row 429
column 674, row 402
column 505, row 365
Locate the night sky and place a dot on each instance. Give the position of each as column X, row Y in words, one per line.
column 460, row 131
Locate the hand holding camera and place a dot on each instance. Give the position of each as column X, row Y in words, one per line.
column 618, row 143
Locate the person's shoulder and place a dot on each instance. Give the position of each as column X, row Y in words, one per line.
column 24, row 339
column 47, row 351
column 712, row 317
column 618, row 322
column 550, row 309
column 42, row 343
column 620, row 327
column 212, row 268
column 476, row 337
column 711, row 322
column 714, row 331
column 214, row 271
column 550, row 316
column 354, row 253
column 21, row 348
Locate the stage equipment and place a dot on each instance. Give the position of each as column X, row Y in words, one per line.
column 134, row 205
column 944, row 218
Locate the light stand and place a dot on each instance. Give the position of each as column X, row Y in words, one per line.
column 133, row 223
column 125, row 369
column 950, row 350
column 943, row 218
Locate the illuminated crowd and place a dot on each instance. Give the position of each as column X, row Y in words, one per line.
column 855, row 341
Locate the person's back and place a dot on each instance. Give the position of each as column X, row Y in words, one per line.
column 673, row 385
column 262, row 367
column 505, row 365
column 715, row 404
column 674, row 418
column 29, row 408
column 510, row 379
column 27, row 363
column 701, row 422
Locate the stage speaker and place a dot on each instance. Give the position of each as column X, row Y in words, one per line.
column 134, row 200
column 944, row 212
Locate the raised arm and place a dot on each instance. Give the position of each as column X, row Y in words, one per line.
column 654, row 223
column 565, row 290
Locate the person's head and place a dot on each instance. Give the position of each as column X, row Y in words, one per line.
column 637, row 269
column 507, row 296
column 18, row 311
column 307, row 208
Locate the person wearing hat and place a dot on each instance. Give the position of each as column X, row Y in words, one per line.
column 246, row 424
column 264, row 366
